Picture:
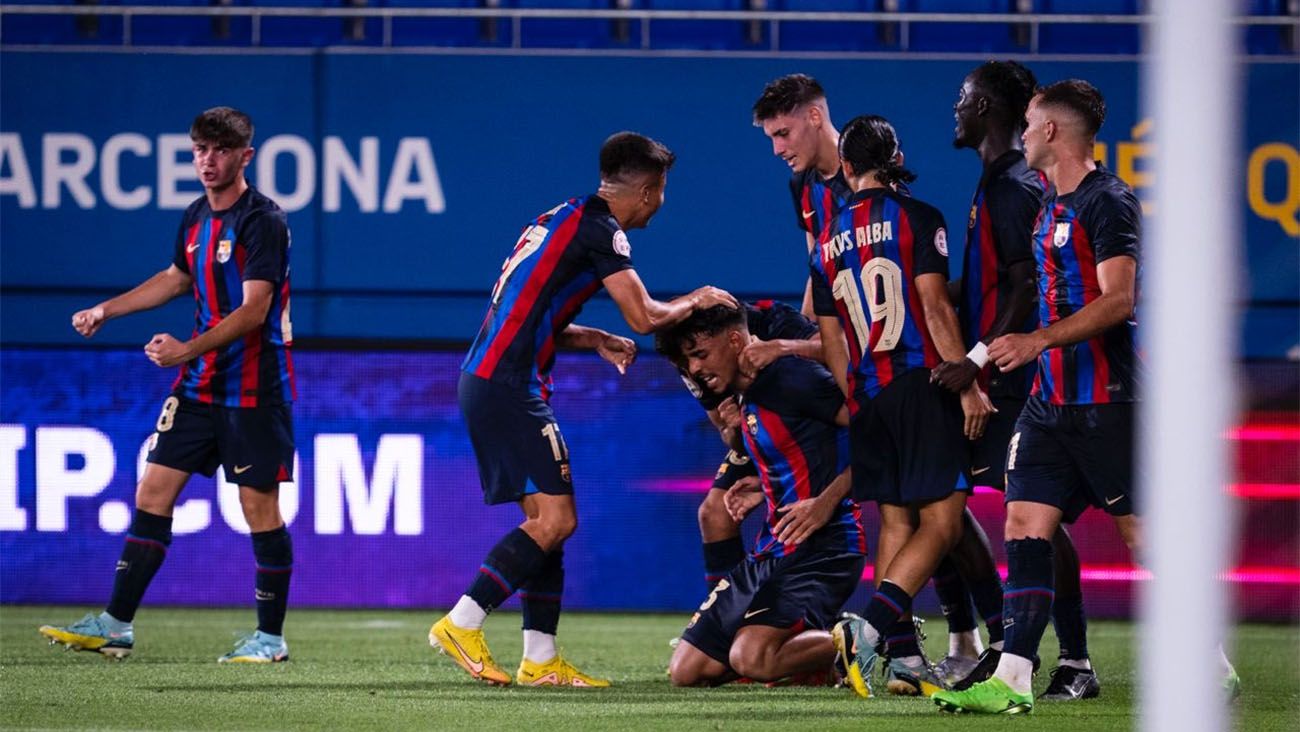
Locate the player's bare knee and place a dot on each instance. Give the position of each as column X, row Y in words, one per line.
column 752, row 660
column 715, row 523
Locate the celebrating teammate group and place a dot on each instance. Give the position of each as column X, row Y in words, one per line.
column 890, row 385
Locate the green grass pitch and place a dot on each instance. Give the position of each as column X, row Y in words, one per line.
column 374, row 670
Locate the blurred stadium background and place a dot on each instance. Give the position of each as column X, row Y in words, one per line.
column 408, row 141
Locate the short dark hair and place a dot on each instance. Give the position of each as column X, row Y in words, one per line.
column 707, row 322
column 786, row 94
column 627, row 154
column 869, row 142
column 1079, row 97
column 224, row 126
column 1008, row 83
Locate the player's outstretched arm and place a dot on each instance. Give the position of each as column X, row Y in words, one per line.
column 157, row 290
column 646, row 314
column 619, row 351
column 941, row 319
column 759, row 354
column 835, row 350
column 165, row 351
column 1117, row 278
column 957, row 375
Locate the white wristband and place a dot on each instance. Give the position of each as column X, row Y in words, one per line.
column 979, row 355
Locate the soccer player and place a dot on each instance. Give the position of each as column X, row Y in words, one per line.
column 1073, row 443
column 793, row 113
column 880, row 288
column 778, row 330
column 998, row 294
column 562, row 258
column 767, row 619
column 230, row 405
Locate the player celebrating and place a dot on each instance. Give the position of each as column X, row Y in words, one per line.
column 998, row 290
column 767, row 619
column 880, row 290
column 562, row 258
column 1073, row 444
column 793, row 113
column 230, row 405
column 778, row 330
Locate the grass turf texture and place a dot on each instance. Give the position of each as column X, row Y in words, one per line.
column 374, row 669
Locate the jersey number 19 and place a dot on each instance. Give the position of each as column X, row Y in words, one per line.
column 882, row 280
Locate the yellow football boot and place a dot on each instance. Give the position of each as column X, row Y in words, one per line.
column 468, row 648
column 556, row 672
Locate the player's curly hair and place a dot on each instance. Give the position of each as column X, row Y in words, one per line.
column 627, row 154
column 707, row 322
column 223, row 126
column 868, row 142
column 1008, row 83
column 786, row 94
column 1079, row 97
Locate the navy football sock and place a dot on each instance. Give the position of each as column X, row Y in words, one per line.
column 1067, row 612
column 987, row 594
column 273, row 551
column 901, row 641
column 1071, row 626
column 720, row 557
column 953, row 597
column 887, row 606
column 1027, row 602
column 540, row 595
column 511, row 563
column 142, row 554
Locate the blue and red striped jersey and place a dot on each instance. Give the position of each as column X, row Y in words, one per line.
column 791, row 435
column 864, row 272
column 816, row 199
column 767, row 320
column 1075, row 233
column 999, row 234
column 560, row 261
column 221, row 250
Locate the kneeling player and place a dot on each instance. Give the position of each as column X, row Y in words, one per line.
column 778, row 330
column 767, row 619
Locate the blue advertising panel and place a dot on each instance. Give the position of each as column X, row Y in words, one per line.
column 408, row 176
column 386, row 509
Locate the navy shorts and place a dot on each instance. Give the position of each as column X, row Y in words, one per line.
column 906, row 443
column 806, row 588
column 1073, row 457
column 516, row 441
column 735, row 465
column 253, row 444
column 988, row 461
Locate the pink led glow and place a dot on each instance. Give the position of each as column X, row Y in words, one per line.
column 1127, row 573
column 1265, row 433
column 1267, row 491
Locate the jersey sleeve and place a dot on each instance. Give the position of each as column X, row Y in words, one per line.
column 1114, row 224
column 779, row 321
column 266, row 238
column 929, row 241
column 796, row 195
column 607, row 248
column 819, row 396
column 1013, row 208
column 822, row 297
column 179, row 259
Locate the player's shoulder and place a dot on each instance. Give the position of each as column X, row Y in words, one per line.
column 787, row 377
column 916, row 209
column 1103, row 191
column 1016, row 178
column 197, row 209
column 598, row 227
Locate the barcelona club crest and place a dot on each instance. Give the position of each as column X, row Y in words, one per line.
column 751, row 422
column 1061, row 235
column 223, row 251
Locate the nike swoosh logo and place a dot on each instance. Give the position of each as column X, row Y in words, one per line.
column 241, row 470
column 192, row 248
column 977, row 471
column 808, row 214
column 1113, row 501
column 752, row 613
column 475, row 666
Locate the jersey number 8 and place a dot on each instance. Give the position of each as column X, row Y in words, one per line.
column 882, row 280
